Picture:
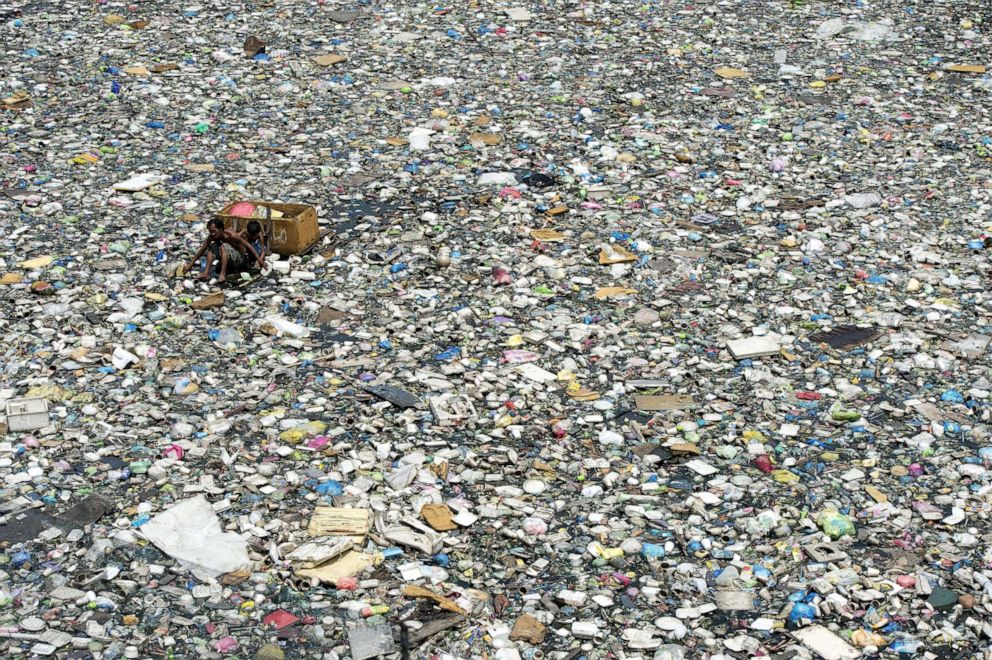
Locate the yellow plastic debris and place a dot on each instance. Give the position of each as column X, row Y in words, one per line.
column 328, row 60
column 37, row 262
column 785, row 477
column 300, row 433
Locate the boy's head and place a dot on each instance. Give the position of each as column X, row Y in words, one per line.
column 215, row 228
column 254, row 228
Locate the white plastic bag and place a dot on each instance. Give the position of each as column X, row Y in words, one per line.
column 190, row 533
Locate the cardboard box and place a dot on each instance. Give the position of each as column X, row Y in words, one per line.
column 294, row 233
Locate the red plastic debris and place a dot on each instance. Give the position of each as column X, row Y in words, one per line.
column 280, row 619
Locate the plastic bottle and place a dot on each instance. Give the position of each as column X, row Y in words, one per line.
column 226, row 337
column 115, row 650
column 670, row 652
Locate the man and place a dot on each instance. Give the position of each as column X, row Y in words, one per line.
column 225, row 246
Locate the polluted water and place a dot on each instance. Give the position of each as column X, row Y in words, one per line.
column 516, row 330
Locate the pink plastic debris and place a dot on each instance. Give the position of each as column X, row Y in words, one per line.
column 226, row 644
column 242, row 210
column 501, row 276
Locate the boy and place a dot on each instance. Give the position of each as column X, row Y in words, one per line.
column 225, row 246
column 253, row 234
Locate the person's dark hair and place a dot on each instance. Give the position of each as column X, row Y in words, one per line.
column 254, row 227
column 216, row 222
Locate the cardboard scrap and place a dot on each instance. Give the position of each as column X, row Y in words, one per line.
column 414, row 591
column 528, row 629
column 253, row 46
column 328, row 60
column 335, row 521
column 580, row 393
column 136, row 71
column 612, row 292
column 614, row 254
column 557, row 210
column 17, row 101
column 490, row 139
column 171, row 364
column 664, row 402
column 965, row 68
column 349, row 564
column 730, row 72
column 236, row 577
column 547, row 235
column 876, row 494
column 438, row 516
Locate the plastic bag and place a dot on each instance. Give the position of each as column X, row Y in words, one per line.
column 190, row 532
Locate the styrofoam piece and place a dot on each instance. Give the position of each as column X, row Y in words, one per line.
column 27, row 414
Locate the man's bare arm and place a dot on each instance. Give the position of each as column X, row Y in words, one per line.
column 199, row 253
